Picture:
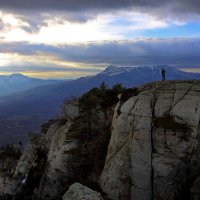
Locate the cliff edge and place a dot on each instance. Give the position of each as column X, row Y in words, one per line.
column 153, row 152
column 154, row 149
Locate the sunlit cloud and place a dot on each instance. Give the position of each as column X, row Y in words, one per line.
column 4, row 59
column 116, row 26
column 45, row 66
column 58, row 74
column 58, row 31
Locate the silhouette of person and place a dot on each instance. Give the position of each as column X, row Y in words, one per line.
column 163, row 73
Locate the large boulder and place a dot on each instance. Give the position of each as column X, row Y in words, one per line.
column 154, row 152
column 80, row 192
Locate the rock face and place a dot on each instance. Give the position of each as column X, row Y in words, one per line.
column 80, row 192
column 9, row 156
column 62, row 166
column 30, row 167
column 154, row 152
column 59, row 157
column 71, row 158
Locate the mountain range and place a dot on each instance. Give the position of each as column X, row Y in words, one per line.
column 25, row 111
column 18, row 82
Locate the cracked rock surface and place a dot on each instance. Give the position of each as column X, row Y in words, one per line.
column 81, row 192
column 154, row 152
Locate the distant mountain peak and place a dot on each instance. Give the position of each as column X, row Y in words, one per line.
column 17, row 82
column 17, row 75
column 111, row 67
column 112, row 70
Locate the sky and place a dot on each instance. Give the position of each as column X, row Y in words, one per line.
column 70, row 39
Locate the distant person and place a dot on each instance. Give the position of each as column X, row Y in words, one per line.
column 163, row 73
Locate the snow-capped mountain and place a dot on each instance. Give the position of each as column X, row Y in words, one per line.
column 18, row 82
column 114, row 70
column 148, row 73
column 135, row 76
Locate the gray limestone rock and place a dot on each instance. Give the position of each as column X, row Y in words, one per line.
column 80, row 192
column 61, row 166
column 155, row 144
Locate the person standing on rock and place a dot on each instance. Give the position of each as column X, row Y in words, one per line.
column 163, row 73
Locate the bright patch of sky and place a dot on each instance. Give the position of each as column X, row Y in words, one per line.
column 187, row 30
column 123, row 25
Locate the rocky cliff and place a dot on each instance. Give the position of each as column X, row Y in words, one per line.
column 153, row 152
column 9, row 156
column 154, row 148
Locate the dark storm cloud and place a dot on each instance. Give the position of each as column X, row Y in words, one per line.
column 64, row 4
column 178, row 6
column 37, row 12
column 178, row 52
column 37, row 19
column 144, row 52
